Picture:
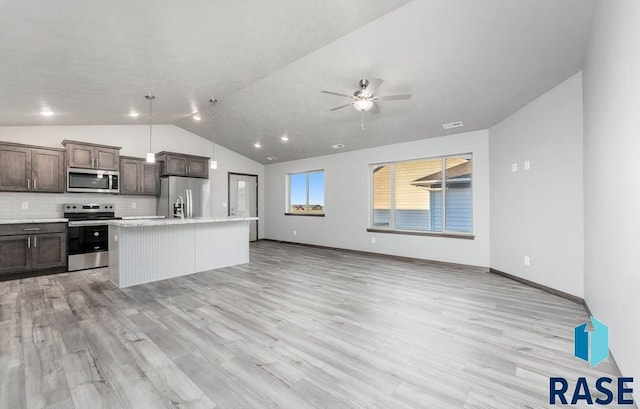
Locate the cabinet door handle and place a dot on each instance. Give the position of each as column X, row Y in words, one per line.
column 31, row 229
column 35, row 183
column 35, row 241
column 28, row 184
column 29, row 241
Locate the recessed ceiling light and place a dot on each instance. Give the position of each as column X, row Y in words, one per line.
column 134, row 114
column 451, row 125
column 272, row 158
column 46, row 112
column 338, row 146
column 197, row 117
column 285, row 138
column 257, row 145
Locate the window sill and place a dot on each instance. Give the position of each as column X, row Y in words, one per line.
column 303, row 214
column 424, row 233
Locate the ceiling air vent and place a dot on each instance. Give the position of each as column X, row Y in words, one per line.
column 272, row 158
column 452, row 125
column 338, row 146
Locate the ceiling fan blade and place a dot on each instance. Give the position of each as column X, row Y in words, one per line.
column 374, row 83
column 340, row 107
column 375, row 109
column 392, row 97
column 337, row 93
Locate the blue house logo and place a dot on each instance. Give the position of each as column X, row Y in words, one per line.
column 591, row 346
column 599, row 350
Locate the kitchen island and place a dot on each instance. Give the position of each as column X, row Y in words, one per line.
column 143, row 251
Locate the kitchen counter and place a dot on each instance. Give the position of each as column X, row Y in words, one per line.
column 142, row 217
column 175, row 221
column 147, row 250
column 60, row 220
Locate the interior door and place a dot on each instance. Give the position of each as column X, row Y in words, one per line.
column 243, row 199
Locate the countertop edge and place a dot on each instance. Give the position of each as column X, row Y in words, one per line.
column 175, row 222
column 32, row 221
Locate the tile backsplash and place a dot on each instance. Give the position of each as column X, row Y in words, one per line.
column 49, row 205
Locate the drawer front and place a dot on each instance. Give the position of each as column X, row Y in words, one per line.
column 32, row 228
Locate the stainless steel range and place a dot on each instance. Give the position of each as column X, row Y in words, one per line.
column 88, row 238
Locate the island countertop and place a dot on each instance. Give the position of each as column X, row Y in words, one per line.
column 176, row 221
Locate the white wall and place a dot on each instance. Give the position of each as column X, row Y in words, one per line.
column 134, row 140
column 539, row 212
column 612, row 174
column 347, row 206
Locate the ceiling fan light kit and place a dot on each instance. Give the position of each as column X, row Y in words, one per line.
column 363, row 105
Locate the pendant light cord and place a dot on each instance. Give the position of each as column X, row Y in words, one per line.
column 213, row 128
column 150, row 98
column 150, row 122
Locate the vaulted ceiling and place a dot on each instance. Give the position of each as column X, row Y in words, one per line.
column 474, row 61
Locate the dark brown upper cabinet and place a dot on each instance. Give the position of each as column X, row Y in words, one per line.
column 92, row 156
column 26, row 168
column 137, row 177
column 178, row 164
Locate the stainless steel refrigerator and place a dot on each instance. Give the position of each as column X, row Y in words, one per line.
column 193, row 193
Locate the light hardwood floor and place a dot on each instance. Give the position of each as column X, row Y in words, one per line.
column 299, row 327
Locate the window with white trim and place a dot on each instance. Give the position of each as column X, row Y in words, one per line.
column 305, row 193
column 431, row 195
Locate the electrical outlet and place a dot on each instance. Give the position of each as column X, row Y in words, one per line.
column 527, row 164
column 514, row 167
column 295, row 232
column 134, row 205
column 25, row 205
column 373, row 240
column 527, row 261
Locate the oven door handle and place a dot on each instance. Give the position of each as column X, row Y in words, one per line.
column 88, row 223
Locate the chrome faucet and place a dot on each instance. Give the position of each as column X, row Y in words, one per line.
column 178, row 207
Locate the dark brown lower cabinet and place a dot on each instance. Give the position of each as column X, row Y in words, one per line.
column 32, row 248
column 15, row 255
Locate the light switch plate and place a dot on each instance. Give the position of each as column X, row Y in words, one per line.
column 25, row 205
column 527, row 261
column 527, row 165
column 134, row 205
column 514, row 167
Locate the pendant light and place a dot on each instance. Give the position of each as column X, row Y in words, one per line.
column 214, row 162
column 151, row 157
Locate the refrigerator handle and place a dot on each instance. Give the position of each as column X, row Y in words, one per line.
column 186, row 204
column 191, row 202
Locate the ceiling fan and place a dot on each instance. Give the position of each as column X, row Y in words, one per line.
column 363, row 99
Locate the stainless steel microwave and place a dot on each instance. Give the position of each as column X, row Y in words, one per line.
column 93, row 181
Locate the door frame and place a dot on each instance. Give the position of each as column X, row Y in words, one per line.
column 257, row 198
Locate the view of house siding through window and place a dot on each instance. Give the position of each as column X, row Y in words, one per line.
column 306, row 193
column 409, row 195
column 382, row 195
